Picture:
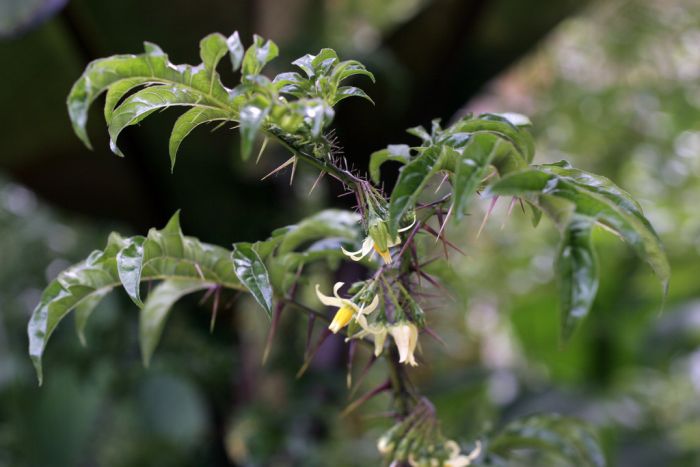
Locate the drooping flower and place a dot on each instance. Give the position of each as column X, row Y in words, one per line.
column 405, row 336
column 347, row 309
column 379, row 240
column 460, row 460
column 378, row 330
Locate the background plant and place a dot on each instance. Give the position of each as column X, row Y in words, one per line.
column 489, row 153
column 498, row 365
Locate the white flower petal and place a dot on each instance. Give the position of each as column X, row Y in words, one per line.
column 371, row 307
column 355, row 255
column 367, row 245
column 336, row 288
column 408, row 226
column 379, row 339
column 326, row 300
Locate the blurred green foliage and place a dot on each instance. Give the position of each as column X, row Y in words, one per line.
column 615, row 89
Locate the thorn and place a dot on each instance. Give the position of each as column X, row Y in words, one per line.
column 437, row 285
column 364, row 398
column 363, row 373
column 206, row 295
column 309, row 359
column 522, row 206
column 434, row 335
column 262, row 149
column 441, row 182
column 351, row 354
column 510, row 211
column 309, row 332
column 215, row 309
column 279, row 307
column 318, row 179
column 442, row 228
column 222, row 124
column 486, row 217
column 409, row 239
column 229, row 304
column 289, row 161
column 294, row 170
column 199, row 271
column 432, row 231
column 432, row 260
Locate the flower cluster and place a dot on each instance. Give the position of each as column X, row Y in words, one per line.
column 417, row 439
column 359, row 308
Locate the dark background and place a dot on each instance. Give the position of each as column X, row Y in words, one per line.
column 612, row 86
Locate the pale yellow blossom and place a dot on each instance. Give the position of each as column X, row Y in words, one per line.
column 346, row 308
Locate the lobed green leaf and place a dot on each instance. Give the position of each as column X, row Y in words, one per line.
column 560, row 196
column 258, row 55
column 471, row 167
column 412, row 179
column 163, row 255
column 188, row 122
column 566, row 439
column 577, row 271
column 156, row 309
column 251, row 271
column 394, row 152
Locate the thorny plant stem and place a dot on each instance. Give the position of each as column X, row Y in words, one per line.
column 405, row 396
column 324, row 165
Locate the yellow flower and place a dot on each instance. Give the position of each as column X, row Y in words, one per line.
column 405, row 336
column 346, row 308
column 377, row 240
column 458, row 460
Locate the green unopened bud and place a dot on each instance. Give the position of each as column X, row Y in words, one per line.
column 380, row 235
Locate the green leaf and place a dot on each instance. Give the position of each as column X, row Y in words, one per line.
column 84, row 310
column 608, row 205
column 252, row 273
column 323, row 225
column 212, row 49
column 258, row 55
column 319, row 65
column 118, row 90
column 324, row 61
column 188, row 122
column 125, row 73
column 411, row 181
column 393, row 152
column 344, row 92
column 168, row 254
column 129, row 266
column 471, row 167
column 146, row 101
column 420, row 132
column 236, row 50
column 84, row 283
column 348, row 68
column 163, row 255
column 292, row 83
column 577, row 271
column 488, row 123
column 156, row 309
column 567, row 439
column 536, row 214
column 251, row 118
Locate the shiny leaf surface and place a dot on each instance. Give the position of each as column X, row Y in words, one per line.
column 252, row 273
column 577, row 272
column 156, row 309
